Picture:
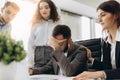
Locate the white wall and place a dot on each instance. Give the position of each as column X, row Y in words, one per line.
column 75, row 7
column 73, row 21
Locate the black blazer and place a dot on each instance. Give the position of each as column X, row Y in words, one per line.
column 106, row 63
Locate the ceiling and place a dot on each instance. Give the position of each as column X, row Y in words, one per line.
column 92, row 3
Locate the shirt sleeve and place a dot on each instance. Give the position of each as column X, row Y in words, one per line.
column 31, row 49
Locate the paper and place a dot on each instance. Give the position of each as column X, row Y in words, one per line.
column 52, row 77
column 49, row 77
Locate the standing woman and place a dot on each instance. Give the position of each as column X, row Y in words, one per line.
column 109, row 66
column 44, row 20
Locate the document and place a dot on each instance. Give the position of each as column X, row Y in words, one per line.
column 49, row 77
column 52, row 77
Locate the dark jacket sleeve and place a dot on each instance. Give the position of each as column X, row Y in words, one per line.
column 45, row 69
column 110, row 74
column 98, row 65
column 74, row 63
column 113, row 74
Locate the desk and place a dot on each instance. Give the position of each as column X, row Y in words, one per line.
column 50, row 77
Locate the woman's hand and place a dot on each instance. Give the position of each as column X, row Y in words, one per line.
column 87, row 75
column 89, row 54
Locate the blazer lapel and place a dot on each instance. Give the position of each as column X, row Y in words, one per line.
column 106, row 56
column 117, row 55
column 56, row 67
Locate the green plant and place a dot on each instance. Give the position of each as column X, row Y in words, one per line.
column 11, row 50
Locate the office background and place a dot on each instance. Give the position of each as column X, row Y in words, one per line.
column 80, row 15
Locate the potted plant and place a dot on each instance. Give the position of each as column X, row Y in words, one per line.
column 11, row 51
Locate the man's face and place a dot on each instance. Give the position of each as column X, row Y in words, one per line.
column 9, row 13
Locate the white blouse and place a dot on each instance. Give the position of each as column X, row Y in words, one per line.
column 39, row 36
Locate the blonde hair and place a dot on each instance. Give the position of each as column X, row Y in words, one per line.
column 53, row 14
column 14, row 5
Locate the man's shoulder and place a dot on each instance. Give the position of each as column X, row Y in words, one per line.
column 75, row 47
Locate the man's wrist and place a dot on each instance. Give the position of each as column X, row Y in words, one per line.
column 57, row 54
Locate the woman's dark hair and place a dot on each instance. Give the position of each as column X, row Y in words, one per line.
column 53, row 13
column 62, row 30
column 112, row 7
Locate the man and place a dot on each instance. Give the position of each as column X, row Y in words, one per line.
column 8, row 13
column 68, row 58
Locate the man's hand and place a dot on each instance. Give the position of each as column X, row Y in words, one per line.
column 53, row 43
column 30, row 71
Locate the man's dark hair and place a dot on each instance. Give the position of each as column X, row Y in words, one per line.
column 62, row 30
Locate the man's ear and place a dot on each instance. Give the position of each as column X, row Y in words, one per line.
column 116, row 17
column 69, row 42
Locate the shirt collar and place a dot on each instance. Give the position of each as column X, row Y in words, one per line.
column 46, row 20
column 117, row 36
column 108, row 38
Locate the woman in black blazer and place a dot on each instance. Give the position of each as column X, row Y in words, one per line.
column 109, row 66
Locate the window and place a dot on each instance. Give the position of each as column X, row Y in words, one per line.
column 98, row 30
column 73, row 21
column 85, row 28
